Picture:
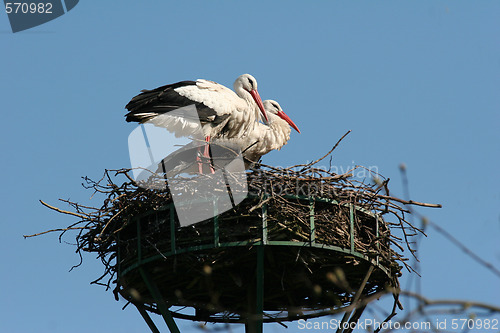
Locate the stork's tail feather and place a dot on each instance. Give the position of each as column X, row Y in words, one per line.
column 153, row 96
column 139, row 117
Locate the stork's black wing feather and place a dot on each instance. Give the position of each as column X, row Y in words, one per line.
column 151, row 103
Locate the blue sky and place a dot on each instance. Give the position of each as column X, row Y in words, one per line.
column 416, row 82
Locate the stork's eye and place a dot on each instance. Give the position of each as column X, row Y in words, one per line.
column 251, row 82
column 276, row 106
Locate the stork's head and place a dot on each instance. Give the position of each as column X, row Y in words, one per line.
column 273, row 107
column 247, row 84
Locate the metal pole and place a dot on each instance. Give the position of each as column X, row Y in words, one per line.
column 153, row 290
column 377, row 236
column 118, row 257
column 216, row 223
column 355, row 299
column 351, row 220
column 139, row 245
column 172, row 227
column 255, row 323
column 259, row 306
column 264, row 223
column 357, row 314
column 147, row 318
column 311, row 221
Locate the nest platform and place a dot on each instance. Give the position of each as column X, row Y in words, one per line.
column 301, row 255
column 280, row 255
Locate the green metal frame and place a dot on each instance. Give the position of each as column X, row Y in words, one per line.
column 255, row 322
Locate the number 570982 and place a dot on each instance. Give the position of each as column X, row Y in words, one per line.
column 25, row 8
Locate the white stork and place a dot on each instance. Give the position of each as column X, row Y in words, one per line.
column 264, row 137
column 221, row 112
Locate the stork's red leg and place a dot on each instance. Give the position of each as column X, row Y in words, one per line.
column 199, row 161
column 206, row 153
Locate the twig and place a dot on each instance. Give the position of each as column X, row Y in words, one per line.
column 329, row 152
column 54, row 230
column 83, row 217
column 410, row 202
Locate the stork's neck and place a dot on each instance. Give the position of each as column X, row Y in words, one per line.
column 243, row 93
column 279, row 131
column 240, row 91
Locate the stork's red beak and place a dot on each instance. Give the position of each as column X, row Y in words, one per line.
column 258, row 100
column 283, row 116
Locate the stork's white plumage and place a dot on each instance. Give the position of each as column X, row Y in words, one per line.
column 221, row 112
column 264, row 137
column 260, row 141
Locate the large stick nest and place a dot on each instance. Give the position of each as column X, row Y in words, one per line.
column 296, row 278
